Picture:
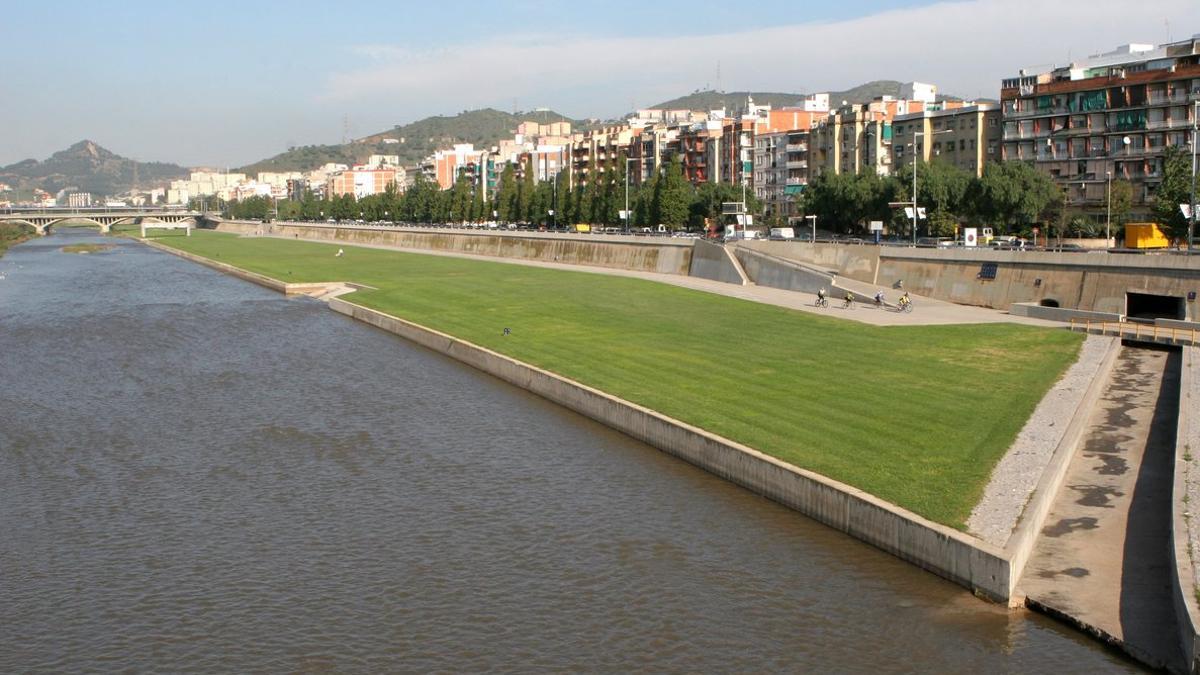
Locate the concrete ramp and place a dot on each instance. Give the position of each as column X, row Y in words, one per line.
column 1103, row 561
column 765, row 269
column 716, row 262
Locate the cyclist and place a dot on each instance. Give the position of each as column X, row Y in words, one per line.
column 879, row 298
column 905, row 301
column 849, row 304
column 821, row 301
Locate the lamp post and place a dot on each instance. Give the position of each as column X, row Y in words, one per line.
column 1108, row 210
column 813, row 218
column 1192, row 219
column 914, row 186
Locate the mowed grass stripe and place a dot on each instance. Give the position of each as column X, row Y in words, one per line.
column 917, row 415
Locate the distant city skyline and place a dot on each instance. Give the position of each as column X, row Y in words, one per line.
column 239, row 82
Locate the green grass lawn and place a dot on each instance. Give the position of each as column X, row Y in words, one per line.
column 915, row 415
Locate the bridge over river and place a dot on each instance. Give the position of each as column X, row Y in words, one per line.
column 42, row 219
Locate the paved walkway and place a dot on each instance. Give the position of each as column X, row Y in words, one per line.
column 926, row 311
column 1103, row 560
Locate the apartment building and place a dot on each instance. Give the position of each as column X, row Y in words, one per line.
column 857, row 137
column 444, row 166
column 781, row 171
column 602, row 149
column 1109, row 115
column 361, row 182
column 965, row 135
column 649, row 148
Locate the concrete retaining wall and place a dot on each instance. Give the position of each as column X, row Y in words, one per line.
column 1096, row 281
column 712, row 261
column 944, row 551
column 1033, row 518
column 643, row 254
column 1063, row 314
column 857, row 262
column 1183, row 577
column 768, row 270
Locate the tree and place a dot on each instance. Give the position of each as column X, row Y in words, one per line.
column 505, row 192
column 941, row 190
column 460, row 200
column 1012, row 195
column 1121, row 197
column 672, row 197
column 1175, row 189
column 845, row 202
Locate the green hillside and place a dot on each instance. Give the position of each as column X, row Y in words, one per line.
column 711, row 100
column 87, row 167
column 483, row 128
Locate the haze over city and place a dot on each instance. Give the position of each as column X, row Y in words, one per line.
column 238, row 82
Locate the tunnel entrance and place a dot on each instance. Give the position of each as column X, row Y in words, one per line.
column 1048, row 302
column 1147, row 307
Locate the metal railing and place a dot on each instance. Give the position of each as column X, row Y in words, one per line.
column 1133, row 330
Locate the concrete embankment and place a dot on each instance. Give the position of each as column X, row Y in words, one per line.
column 989, row 570
column 1185, row 526
column 643, row 254
column 1094, row 281
column 958, row 557
column 946, row 552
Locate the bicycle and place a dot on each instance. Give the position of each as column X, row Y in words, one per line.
column 905, row 306
column 822, row 302
column 848, row 303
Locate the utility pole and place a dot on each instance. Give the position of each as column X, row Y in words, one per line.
column 1192, row 219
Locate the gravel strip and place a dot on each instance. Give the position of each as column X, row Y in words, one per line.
column 1018, row 472
column 1191, row 361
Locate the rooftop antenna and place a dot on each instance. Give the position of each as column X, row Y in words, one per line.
column 1168, row 24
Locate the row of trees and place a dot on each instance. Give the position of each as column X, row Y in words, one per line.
column 667, row 198
column 1010, row 197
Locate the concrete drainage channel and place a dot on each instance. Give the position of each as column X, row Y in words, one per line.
column 985, row 569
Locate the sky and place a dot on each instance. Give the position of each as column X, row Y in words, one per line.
column 222, row 84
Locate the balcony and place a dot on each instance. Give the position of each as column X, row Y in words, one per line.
column 797, row 147
column 795, row 181
column 799, row 164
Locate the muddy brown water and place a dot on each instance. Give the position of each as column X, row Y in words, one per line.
column 199, row 475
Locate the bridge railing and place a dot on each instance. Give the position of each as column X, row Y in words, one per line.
column 1133, row 330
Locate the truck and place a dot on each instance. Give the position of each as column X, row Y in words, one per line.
column 782, row 233
column 1145, row 235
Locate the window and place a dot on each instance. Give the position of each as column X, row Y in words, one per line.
column 962, row 144
column 991, row 121
column 991, row 148
column 988, row 271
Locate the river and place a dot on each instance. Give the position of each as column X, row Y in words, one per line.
column 200, row 475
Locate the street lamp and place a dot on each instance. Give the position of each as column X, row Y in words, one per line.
column 813, row 218
column 1108, row 210
column 914, row 187
column 1192, row 218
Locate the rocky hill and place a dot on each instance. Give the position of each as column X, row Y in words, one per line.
column 88, row 167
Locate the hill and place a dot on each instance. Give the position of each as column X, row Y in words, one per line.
column 88, row 167
column 416, row 140
column 711, row 100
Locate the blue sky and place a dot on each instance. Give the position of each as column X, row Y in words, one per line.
column 224, row 83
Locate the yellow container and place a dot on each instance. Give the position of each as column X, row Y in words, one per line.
column 1145, row 235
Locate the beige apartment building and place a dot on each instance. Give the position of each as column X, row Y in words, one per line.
column 967, row 136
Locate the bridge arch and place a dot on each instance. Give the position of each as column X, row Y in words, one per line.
column 45, row 227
